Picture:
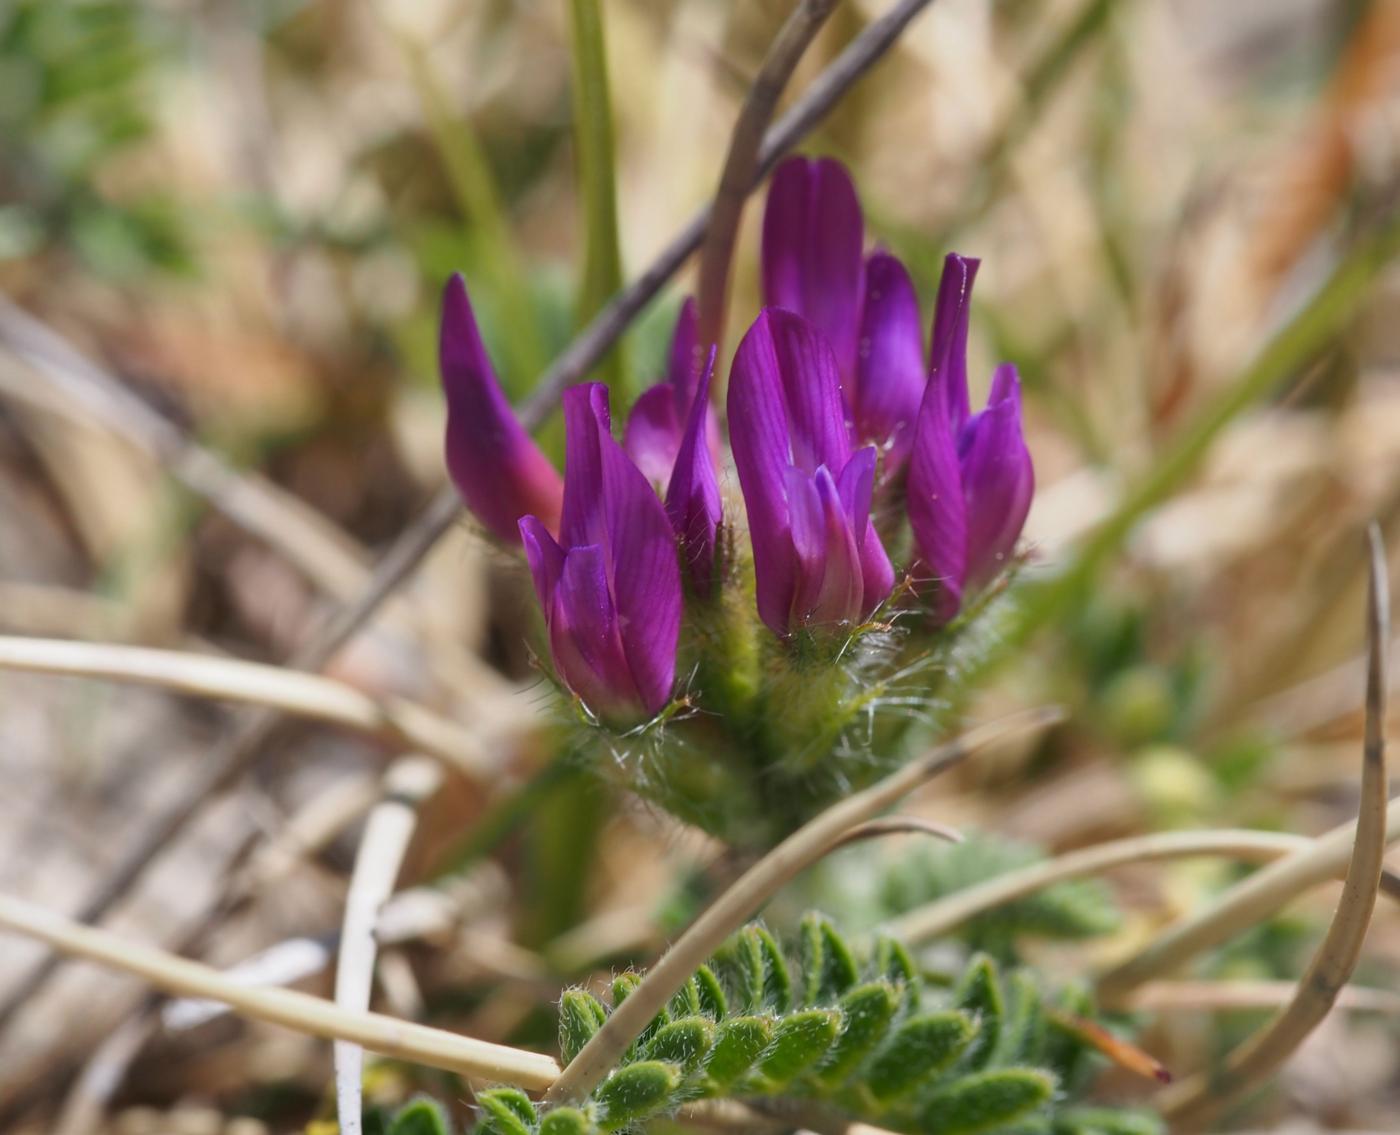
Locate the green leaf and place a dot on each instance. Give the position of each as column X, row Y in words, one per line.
column 622, row 987
column 1023, row 1024
column 893, row 962
column 685, row 1042
column 811, row 944
column 1108, row 1121
column 979, row 996
column 580, row 1016
column 636, row 1091
column 799, row 1041
column 918, row 1049
column 593, row 141
column 566, row 1121
column 867, row 1012
column 686, row 1002
column 505, row 1111
column 738, row 1043
column 984, row 1101
column 777, row 982
column 828, row 967
column 420, row 1116
column 742, row 958
column 711, row 994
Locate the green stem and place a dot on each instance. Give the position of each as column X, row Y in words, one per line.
column 478, row 198
column 593, row 139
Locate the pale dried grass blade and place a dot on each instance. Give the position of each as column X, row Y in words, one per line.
column 290, row 691
column 403, row 1040
column 407, row 784
column 928, row 922
column 1195, row 1102
column 1234, row 996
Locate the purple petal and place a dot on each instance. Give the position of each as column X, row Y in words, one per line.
column 811, row 388
column 890, row 366
column 586, row 422
column 784, row 411
column 951, row 315
column 857, row 485
column 499, row 472
column 693, row 499
column 758, row 436
column 937, row 510
column 683, row 363
column 828, row 590
column 1006, row 386
column 812, row 237
column 584, row 636
column 645, row 574
column 758, row 425
column 545, row 557
column 653, row 436
column 998, row 479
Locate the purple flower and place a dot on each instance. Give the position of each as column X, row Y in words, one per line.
column 499, row 472
column 867, row 309
column 970, row 477
column 610, row 586
column 692, row 498
column 998, row 478
column 812, row 237
column 817, row 559
column 656, row 426
column 890, row 376
column 674, row 440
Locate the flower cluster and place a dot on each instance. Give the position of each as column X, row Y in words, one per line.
column 841, row 426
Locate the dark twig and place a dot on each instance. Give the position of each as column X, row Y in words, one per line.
column 815, row 104
column 741, row 162
column 224, row 766
column 899, row 825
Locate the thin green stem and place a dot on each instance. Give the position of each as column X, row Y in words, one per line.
column 474, row 185
column 594, row 144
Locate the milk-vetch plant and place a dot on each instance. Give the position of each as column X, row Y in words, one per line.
column 747, row 609
column 822, row 1027
column 746, row 630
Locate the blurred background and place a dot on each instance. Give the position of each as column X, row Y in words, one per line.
column 224, row 225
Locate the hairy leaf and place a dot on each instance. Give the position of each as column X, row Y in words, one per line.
column 506, row 1111
column 580, row 1016
column 919, row 1048
column 985, row 1101
column 867, row 1012
column 799, row 1042
column 738, row 1043
column 420, row 1116
column 685, row 1042
column 636, row 1091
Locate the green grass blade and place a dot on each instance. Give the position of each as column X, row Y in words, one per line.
column 1327, row 315
column 503, row 284
column 593, row 141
